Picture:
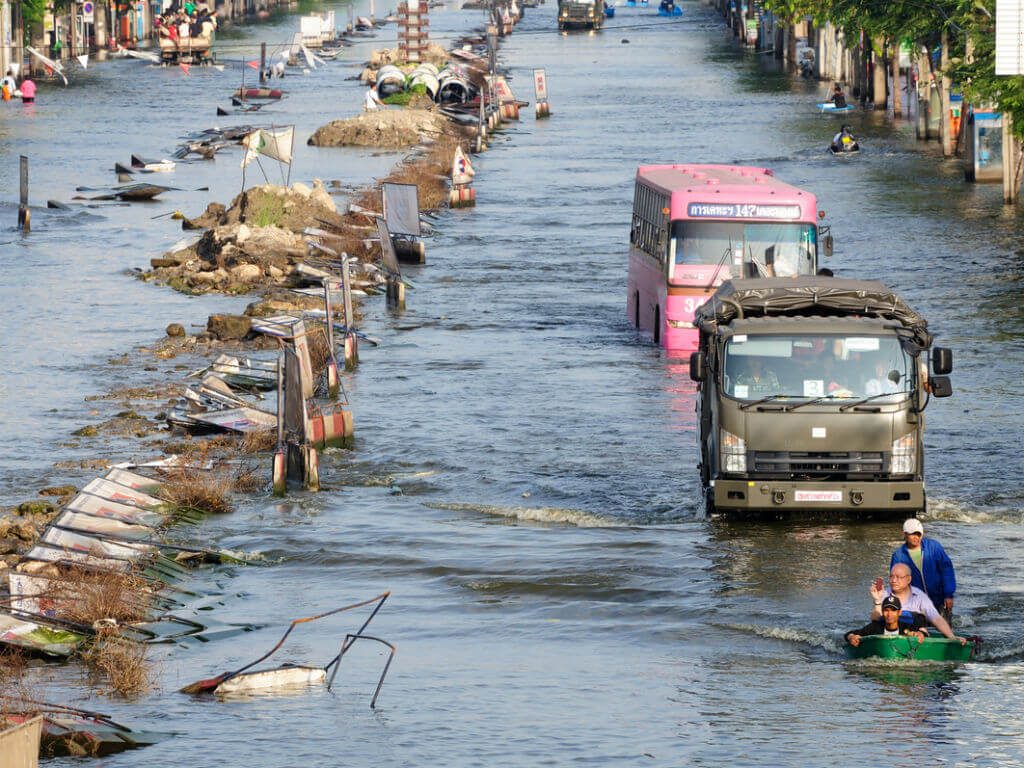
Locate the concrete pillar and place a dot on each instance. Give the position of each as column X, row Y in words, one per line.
column 897, row 92
column 100, row 25
column 1009, row 161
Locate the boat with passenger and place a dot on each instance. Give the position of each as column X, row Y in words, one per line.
column 696, row 226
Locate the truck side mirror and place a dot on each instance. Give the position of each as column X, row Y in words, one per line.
column 942, row 360
column 829, row 245
column 941, row 386
column 697, row 365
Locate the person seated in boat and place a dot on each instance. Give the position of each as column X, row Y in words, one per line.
column 838, row 97
column 911, row 598
column 844, row 141
column 894, row 623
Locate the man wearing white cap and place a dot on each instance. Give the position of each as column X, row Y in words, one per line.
column 931, row 570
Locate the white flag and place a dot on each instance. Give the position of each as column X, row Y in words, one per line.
column 275, row 143
column 462, row 169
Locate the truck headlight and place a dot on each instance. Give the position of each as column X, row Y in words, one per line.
column 733, row 452
column 904, row 454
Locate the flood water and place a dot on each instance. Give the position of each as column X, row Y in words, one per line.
column 524, row 479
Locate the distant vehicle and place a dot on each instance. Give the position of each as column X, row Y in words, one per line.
column 580, row 14
column 811, row 397
column 695, row 226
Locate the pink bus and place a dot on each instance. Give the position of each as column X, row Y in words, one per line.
column 696, row 226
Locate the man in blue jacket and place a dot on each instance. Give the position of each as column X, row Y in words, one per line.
column 931, row 569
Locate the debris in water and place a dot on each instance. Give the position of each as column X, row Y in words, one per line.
column 291, row 675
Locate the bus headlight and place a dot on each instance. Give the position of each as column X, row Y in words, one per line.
column 733, row 451
column 904, row 454
column 680, row 324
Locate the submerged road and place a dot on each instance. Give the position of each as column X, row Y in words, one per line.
column 524, row 480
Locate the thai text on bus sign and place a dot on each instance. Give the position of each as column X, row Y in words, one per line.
column 741, row 211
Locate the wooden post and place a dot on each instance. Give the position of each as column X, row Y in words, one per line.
column 263, row 62
column 945, row 127
column 351, row 342
column 24, row 217
column 333, row 382
column 279, row 472
column 1009, row 166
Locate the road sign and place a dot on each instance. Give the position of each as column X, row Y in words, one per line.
column 88, row 11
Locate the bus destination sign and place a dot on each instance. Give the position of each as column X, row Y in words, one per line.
column 741, row 211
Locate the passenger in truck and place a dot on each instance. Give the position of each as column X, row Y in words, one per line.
column 759, row 380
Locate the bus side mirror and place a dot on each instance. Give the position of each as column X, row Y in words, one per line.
column 829, row 245
column 941, row 386
column 697, row 365
column 942, row 360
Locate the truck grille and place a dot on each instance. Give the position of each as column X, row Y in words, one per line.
column 834, row 465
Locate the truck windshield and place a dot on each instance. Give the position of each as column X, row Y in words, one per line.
column 754, row 249
column 802, row 366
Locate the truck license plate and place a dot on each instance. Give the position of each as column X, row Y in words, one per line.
column 818, row 496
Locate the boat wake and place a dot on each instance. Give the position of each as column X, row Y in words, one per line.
column 828, row 642
column 545, row 515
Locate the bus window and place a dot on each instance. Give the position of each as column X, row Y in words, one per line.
column 768, row 249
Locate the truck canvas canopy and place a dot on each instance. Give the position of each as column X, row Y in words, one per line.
column 811, row 295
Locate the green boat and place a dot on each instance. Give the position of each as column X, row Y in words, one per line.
column 931, row 649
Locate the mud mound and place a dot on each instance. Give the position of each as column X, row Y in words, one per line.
column 386, row 128
column 291, row 208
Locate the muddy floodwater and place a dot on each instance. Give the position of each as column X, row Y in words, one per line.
column 524, row 479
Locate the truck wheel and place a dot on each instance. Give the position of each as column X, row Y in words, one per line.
column 709, row 502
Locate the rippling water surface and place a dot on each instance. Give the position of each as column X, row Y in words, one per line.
column 525, row 479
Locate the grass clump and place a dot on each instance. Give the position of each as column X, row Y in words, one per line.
column 122, row 662
column 264, row 211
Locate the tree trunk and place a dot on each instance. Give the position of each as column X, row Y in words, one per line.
column 897, row 86
column 945, row 126
column 878, row 86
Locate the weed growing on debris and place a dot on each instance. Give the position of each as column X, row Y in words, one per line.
column 429, row 172
column 257, row 442
column 14, row 687
column 120, row 660
column 87, row 597
column 196, row 489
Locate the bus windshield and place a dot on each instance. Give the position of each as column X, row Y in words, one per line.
column 747, row 249
column 817, row 366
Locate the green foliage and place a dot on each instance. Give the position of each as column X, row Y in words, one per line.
column 398, row 99
column 969, row 26
column 32, row 11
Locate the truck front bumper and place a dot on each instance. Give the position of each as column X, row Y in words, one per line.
column 810, row 496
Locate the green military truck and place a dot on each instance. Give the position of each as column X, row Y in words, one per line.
column 812, row 392
column 574, row 14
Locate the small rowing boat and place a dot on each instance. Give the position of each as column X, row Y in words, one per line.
column 829, row 108
column 930, row 649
